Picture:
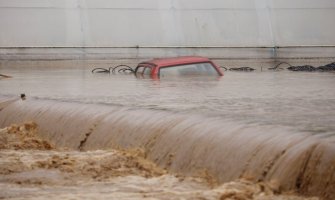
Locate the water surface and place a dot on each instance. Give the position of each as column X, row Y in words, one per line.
column 302, row 101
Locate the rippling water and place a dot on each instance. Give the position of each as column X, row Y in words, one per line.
column 302, row 101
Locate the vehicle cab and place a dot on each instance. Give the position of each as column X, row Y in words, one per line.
column 178, row 66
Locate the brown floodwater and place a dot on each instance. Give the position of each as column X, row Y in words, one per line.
column 263, row 126
column 32, row 168
column 303, row 101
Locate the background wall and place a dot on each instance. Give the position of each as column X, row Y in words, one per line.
column 117, row 26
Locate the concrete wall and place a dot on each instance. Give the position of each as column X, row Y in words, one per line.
column 26, row 24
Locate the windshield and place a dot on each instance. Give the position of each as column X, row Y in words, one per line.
column 189, row 69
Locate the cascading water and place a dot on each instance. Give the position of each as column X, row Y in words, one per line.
column 187, row 144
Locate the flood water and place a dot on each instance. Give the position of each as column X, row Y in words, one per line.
column 253, row 134
column 302, row 101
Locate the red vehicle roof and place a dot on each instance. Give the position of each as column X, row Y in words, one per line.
column 177, row 60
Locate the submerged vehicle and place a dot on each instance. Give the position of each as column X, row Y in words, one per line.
column 178, row 66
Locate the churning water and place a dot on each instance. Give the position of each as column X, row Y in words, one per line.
column 272, row 126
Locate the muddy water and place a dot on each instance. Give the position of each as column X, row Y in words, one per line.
column 267, row 126
column 302, row 101
column 32, row 168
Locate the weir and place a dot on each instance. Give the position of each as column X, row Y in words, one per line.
column 189, row 144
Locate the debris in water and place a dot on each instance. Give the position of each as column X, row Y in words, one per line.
column 118, row 68
column 245, row 69
column 306, row 68
column 23, row 96
column 328, row 67
column 5, row 76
